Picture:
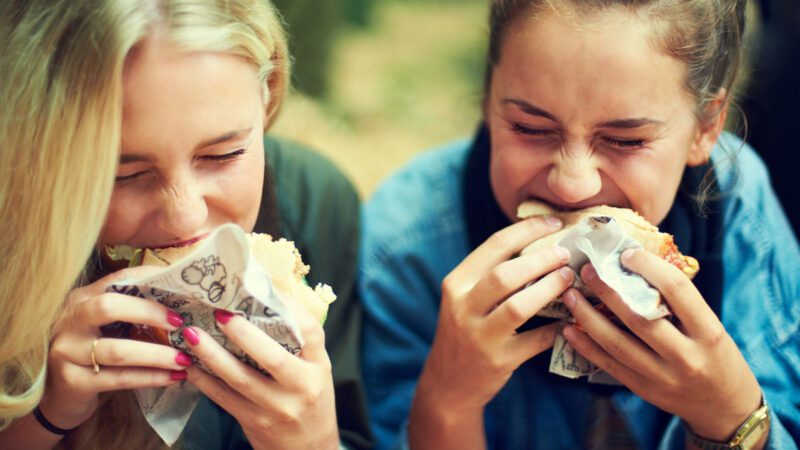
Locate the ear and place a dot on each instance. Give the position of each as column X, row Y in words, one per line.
column 712, row 122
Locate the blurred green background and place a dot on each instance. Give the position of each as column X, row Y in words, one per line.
column 376, row 81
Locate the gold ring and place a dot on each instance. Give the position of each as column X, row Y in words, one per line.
column 94, row 356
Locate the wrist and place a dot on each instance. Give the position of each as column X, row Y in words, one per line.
column 721, row 427
column 751, row 434
column 436, row 422
column 65, row 416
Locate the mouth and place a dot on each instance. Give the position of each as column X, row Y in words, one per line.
column 567, row 207
column 181, row 243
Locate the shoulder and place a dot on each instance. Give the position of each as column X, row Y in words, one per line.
column 761, row 251
column 301, row 172
column 421, row 202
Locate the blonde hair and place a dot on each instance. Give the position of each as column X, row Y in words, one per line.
column 61, row 69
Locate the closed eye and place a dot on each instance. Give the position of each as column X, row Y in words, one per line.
column 127, row 178
column 625, row 143
column 224, row 158
column 520, row 129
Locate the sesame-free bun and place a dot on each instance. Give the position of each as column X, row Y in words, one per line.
column 636, row 226
column 279, row 259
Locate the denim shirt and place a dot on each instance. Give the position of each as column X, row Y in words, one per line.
column 415, row 233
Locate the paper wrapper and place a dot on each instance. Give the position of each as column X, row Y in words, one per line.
column 600, row 240
column 219, row 274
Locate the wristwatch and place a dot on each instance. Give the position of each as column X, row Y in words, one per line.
column 745, row 437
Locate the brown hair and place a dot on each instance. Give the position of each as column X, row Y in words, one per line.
column 705, row 34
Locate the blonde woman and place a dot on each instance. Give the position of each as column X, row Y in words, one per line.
column 190, row 88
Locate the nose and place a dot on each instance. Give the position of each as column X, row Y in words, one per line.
column 574, row 177
column 183, row 210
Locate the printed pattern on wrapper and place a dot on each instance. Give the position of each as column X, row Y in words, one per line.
column 220, row 274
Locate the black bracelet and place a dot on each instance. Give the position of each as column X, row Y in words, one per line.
column 48, row 425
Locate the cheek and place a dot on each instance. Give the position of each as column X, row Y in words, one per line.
column 241, row 190
column 513, row 167
column 125, row 215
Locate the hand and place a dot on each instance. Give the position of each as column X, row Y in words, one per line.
column 692, row 369
column 71, row 394
column 294, row 408
column 484, row 300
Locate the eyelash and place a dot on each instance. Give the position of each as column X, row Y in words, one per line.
column 619, row 143
column 625, row 144
column 226, row 157
column 214, row 159
column 519, row 129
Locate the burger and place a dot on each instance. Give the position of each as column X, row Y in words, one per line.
column 633, row 225
column 279, row 259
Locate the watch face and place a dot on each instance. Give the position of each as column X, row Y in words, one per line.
column 757, row 432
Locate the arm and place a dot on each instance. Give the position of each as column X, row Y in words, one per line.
column 320, row 209
column 475, row 349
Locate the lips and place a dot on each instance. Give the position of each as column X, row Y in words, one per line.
column 562, row 207
column 181, row 243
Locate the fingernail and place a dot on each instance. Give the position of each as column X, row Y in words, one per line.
column 223, row 316
column 191, row 335
column 628, row 254
column 553, row 221
column 174, row 319
column 183, row 359
column 588, row 273
column 569, row 299
column 568, row 332
column 566, row 273
column 177, row 375
column 562, row 253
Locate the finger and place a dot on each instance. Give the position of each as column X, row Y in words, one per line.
column 659, row 334
column 586, row 347
column 130, row 353
column 510, row 276
column 222, row 394
column 501, row 246
column 530, row 343
column 268, row 353
column 622, row 346
column 108, row 308
column 313, row 334
column 84, row 379
column 99, row 286
column 242, row 378
column 678, row 290
column 523, row 305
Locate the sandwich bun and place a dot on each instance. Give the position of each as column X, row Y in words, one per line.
column 280, row 260
column 636, row 226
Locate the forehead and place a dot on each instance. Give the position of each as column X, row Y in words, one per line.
column 606, row 57
column 176, row 98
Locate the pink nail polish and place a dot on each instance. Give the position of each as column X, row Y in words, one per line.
column 223, row 316
column 177, row 375
column 183, row 359
column 191, row 335
column 174, row 319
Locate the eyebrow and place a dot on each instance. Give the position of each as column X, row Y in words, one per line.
column 528, row 108
column 534, row 110
column 235, row 134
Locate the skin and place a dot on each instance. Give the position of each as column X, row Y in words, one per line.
column 582, row 114
column 192, row 159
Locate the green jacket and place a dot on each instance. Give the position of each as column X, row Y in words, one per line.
column 319, row 211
